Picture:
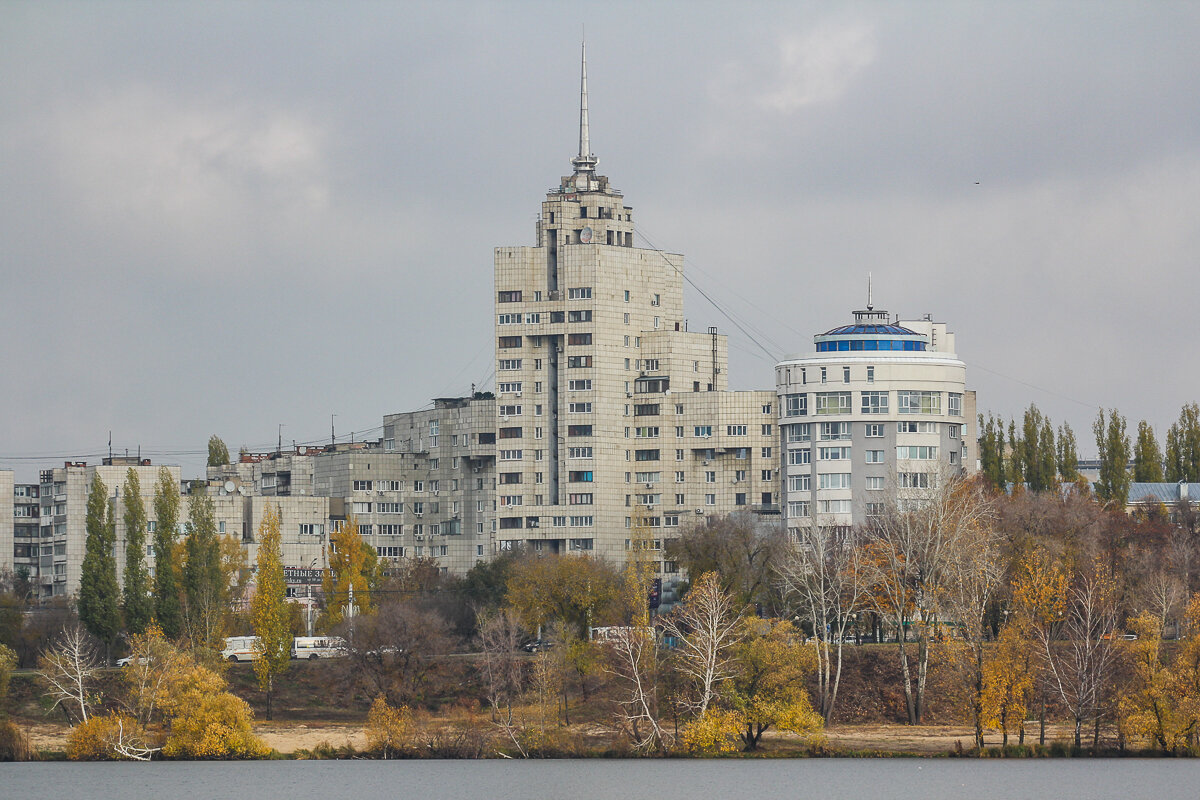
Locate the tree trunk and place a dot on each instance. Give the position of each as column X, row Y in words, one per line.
column 1078, row 731
column 977, row 700
column 1042, row 722
column 908, row 692
column 270, row 691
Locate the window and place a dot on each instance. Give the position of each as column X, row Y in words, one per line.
column 579, row 293
column 579, row 452
column 834, row 480
column 799, row 432
column 649, row 477
column 954, row 404
column 508, row 297
column 579, row 408
column 834, row 431
column 798, row 509
column 583, row 385
column 508, row 364
column 534, row 319
column 508, row 319
column 362, row 508
column 311, row 529
column 917, row 427
column 833, row 403
column 510, row 341
column 917, row 480
column 703, row 431
column 710, row 476
column 579, row 499
column 679, row 455
column 874, row 510
column 510, row 455
column 710, row 499
column 874, row 456
column 579, row 361
column 510, row 477
column 845, row 374
column 735, row 430
column 800, row 457
column 362, row 486
column 766, row 430
column 874, row 430
column 646, row 432
column 579, row 430
column 919, row 402
column 953, row 431
column 647, row 410
column 646, row 455
column 874, row 402
column 680, row 477
column 509, row 411
column 510, row 433
column 797, row 405
column 649, row 499
column 875, row 484
column 581, row 522
column 917, row 452
column 766, row 474
column 824, row 375
column 579, row 338
column 766, row 409
column 835, row 453
column 870, row 374
column 508, row 388
column 511, row 500
column 799, row 483
column 834, row 506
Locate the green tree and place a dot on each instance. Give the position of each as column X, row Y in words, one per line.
column 1112, row 444
column 1067, row 456
column 1147, row 459
column 991, row 450
column 167, row 609
column 204, row 587
column 1047, row 455
column 99, row 594
column 218, row 453
column 138, row 607
column 1015, row 461
column 269, row 609
column 1183, row 446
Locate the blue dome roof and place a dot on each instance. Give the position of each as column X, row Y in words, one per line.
column 869, row 329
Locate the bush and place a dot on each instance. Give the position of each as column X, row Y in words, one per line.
column 99, row 737
column 389, row 730
column 14, row 744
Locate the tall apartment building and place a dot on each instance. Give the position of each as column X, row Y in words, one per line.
column 878, row 409
column 607, row 407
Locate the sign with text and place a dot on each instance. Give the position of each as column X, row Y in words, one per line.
column 302, row 575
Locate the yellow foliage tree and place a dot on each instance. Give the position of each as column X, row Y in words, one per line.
column 270, row 609
column 1008, row 679
column 111, row 737
column 1158, row 705
column 350, row 574
column 714, row 731
column 389, row 729
column 576, row 590
column 769, row 688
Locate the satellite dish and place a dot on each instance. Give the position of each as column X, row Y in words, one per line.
column 242, row 491
column 229, row 487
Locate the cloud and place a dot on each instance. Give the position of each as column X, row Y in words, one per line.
column 819, row 65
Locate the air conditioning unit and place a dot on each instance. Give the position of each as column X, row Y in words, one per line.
column 420, row 537
column 520, row 394
column 420, row 514
column 700, row 511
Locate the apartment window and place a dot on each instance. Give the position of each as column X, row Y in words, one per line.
column 579, row 361
column 874, row 510
column 508, row 297
column 954, row 404
column 680, row 477
column 626, row 319
column 508, row 319
column 845, row 374
column 739, row 475
column 534, row 319
column 389, row 508
column 875, row 484
column 646, row 432
column 874, row 402
column 797, row 405
column 710, row 476
column 874, row 430
column 919, row 402
column 508, row 364
column 765, row 474
column 509, row 411
column 647, row 410
column 874, row 456
column 579, row 452
column 557, row 316
column 580, row 499
column 798, row 509
column 916, row 480
column 646, row 455
column 679, row 455
column 766, row 430
column 917, row 427
column 917, row 452
column 835, row 431
column 833, row 403
column 508, row 388
column 510, row 455
column 800, row 457
column 870, row 374
column 362, row 486
column 626, row 299
column 953, row 430
column 834, row 480
column 580, row 293
column 766, row 452
column 835, row 453
column 510, row 341
column 735, row 430
column 766, row 409
column 798, row 432
column 834, row 506
column 579, row 385
column 311, row 529
column 679, row 431
column 703, row 431
column 511, row 500
column 799, row 483
column 362, row 508
column 823, row 375
column 582, row 315
column 579, row 430
column 579, row 408
column 509, row 433
column 710, row 499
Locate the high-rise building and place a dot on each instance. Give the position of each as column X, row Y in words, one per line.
column 879, row 409
column 608, row 409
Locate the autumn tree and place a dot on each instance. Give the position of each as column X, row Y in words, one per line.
column 99, row 600
column 270, row 609
column 138, row 605
column 205, row 588
column 71, row 671
column 348, row 581
column 1009, row 677
column 823, row 578
column 167, row 609
column 1147, row 458
column 632, row 660
column 1183, row 446
column 706, row 625
column 218, row 453
column 396, row 651
column 769, row 688
column 1066, row 456
column 581, row 591
column 1112, row 443
column 741, row 548
column 1152, row 705
column 501, row 666
column 991, row 451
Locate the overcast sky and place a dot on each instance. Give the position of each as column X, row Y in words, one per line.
column 224, row 217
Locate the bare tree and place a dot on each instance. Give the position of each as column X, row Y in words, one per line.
column 71, row 668
column 633, row 661
column 396, row 651
column 823, row 576
column 908, row 558
column 707, row 626
column 500, row 635
column 740, row 548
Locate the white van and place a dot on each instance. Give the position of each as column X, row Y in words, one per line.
column 240, row 648
column 309, row 647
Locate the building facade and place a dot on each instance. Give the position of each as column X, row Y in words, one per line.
column 878, row 409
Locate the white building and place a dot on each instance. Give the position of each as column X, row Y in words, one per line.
column 879, row 407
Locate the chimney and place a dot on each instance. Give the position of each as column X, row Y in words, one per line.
column 1183, row 489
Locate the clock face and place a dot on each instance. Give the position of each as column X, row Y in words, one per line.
column 585, row 235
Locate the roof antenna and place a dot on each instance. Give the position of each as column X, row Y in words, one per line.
column 585, row 161
column 870, row 306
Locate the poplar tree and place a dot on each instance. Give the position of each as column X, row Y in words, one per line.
column 99, row 594
column 1183, row 446
column 1147, row 459
column 991, row 450
column 203, row 579
column 1067, row 456
column 1015, row 461
column 167, row 610
column 218, row 453
column 1112, row 445
column 138, row 606
column 269, row 608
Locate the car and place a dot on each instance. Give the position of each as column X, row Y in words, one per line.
column 536, row 645
column 122, row 662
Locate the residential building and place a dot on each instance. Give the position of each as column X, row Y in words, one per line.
column 878, row 410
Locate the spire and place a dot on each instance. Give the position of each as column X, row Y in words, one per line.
column 870, row 305
column 585, row 161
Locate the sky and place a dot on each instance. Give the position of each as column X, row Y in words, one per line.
column 258, row 219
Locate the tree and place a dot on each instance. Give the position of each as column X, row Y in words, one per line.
column 99, row 595
column 1015, row 462
column 991, row 451
column 167, row 609
column 706, row 627
column 741, row 548
column 270, row 608
column 581, row 591
column 500, row 636
column 205, row 588
column 1147, row 459
column 395, row 651
column 389, row 729
column 218, row 453
column 1009, row 677
column 138, row 605
column 71, row 670
column 823, row 576
column 633, row 662
column 352, row 567
column 1037, row 450
column 1067, row 457
column 1112, row 444
column 1183, row 446
column 1152, row 706
column 769, row 687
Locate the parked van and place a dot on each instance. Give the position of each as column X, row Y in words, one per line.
column 308, row 647
column 240, row 648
